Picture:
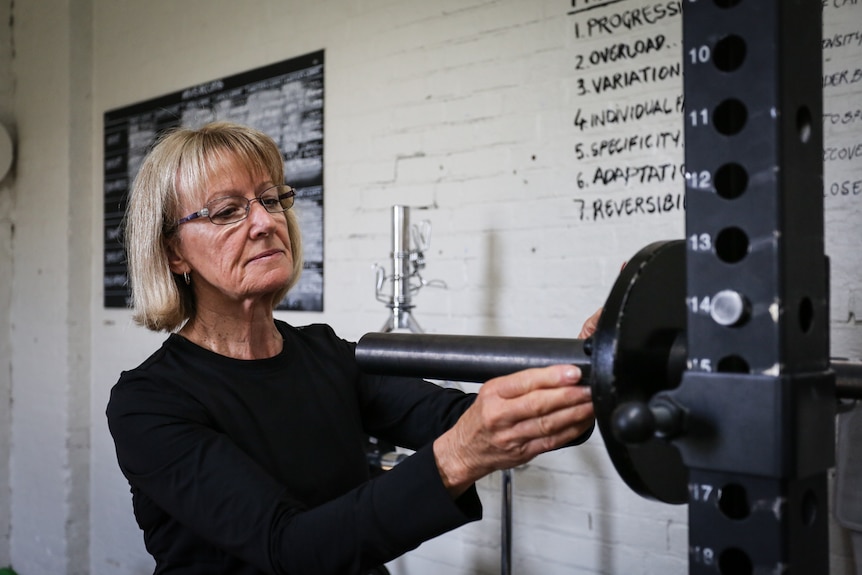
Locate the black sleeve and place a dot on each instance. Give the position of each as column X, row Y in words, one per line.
column 408, row 412
column 169, row 450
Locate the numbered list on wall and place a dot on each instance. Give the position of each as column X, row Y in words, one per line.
column 627, row 91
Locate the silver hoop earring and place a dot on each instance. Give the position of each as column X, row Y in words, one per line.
column 187, row 278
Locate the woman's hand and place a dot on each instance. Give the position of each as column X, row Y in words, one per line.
column 513, row 419
column 589, row 327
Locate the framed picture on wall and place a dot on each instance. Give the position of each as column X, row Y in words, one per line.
column 283, row 100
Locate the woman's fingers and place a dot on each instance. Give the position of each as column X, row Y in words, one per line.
column 529, row 380
column 590, row 326
column 552, row 429
column 535, row 404
column 514, row 418
column 538, row 406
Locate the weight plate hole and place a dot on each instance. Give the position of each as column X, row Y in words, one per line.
column 803, row 124
column 733, row 364
column 733, row 501
column 731, row 245
column 809, row 508
column 727, row 3
column 731, row 181
column 806, row 314
column 729, row 53
column 730, row 117
column 734, row 561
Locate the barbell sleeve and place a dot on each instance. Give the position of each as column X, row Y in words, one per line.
column 466, row 358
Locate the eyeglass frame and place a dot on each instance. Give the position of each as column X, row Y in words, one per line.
column 204, row 211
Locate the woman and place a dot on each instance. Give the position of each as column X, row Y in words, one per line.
column 242, row 437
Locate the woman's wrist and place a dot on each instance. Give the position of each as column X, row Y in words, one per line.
column 453, row 472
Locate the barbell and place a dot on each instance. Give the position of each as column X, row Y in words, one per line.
column 637, row 352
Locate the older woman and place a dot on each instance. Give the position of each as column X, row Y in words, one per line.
column 243, row 437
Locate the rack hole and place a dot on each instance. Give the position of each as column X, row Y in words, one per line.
column 803, row 124
column 729, row 53
column 733, row 501
column 730, row 117
column 806, row 314
column 733, row 561
column 727, row 3
column 731, row 181
column 809, row 508
column 733, row 364
column 731, row 245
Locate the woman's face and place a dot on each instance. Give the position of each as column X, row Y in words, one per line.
column 235, row 264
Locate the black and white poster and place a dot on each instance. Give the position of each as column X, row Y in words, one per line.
column 283, row 100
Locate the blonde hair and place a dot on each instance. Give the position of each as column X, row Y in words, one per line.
column 180, row 163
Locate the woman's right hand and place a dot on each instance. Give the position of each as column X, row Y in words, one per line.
column 514, row 418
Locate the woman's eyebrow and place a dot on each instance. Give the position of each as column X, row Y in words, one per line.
column 216, row 193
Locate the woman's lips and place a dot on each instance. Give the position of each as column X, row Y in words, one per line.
column 264, row 255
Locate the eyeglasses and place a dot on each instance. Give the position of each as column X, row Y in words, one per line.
column 233, row 209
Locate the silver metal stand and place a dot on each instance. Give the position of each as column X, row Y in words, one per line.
column 407, row 262
column 506, row 524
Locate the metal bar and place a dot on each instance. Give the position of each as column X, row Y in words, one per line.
column 506, row 524
column 477, row 359
column 400, row 257
column 848, row 379
column 464, row 357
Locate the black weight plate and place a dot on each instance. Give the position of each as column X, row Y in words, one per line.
column 643, row 316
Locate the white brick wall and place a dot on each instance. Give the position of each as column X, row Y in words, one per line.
column 6, row 207
column 463, row 108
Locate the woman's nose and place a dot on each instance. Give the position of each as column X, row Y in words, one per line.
column 259, row 217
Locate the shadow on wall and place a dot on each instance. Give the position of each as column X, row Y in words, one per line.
column 484, row 566
column 492, row 281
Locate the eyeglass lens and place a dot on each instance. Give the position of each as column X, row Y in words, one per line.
column 232, row 209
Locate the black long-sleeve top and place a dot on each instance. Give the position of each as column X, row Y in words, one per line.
column 258, row 466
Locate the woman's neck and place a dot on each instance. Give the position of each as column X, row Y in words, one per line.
column 249, row 336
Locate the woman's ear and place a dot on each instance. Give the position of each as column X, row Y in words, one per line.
column 176, row 261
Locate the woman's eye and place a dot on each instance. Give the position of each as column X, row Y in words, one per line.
column 227, row 212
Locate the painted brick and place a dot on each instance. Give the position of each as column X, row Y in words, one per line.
column 463, row 106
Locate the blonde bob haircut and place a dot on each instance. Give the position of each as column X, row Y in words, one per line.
column 179, row 166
